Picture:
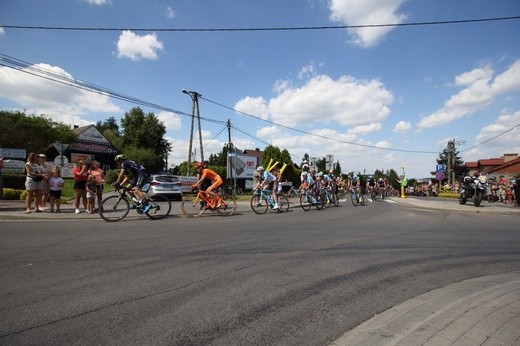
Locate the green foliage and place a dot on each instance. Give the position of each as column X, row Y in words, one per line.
column 12, row 194
column 448, row 195
column 111, row 176
column 32, row 133
column 14, row 180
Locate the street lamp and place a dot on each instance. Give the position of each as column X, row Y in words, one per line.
column 195, row 106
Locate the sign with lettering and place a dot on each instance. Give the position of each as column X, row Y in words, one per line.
column 9, row 153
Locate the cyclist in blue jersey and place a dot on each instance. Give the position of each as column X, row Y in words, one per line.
column 271, row 183
column 139, row 174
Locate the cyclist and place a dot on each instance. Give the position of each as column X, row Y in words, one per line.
column 371, row 185
column 271, row 183
column 216, row 181
column 258, row 177
column 140, row 177
column 382, row 187
column 354, row 182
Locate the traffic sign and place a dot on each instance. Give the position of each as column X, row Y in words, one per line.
column 440, row 175
column 439, row 168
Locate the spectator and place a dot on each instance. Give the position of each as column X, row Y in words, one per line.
column 33, row 184
column 91, row 188
column 1, row 177
column 46, row 171
column 55, row 185
column 99, row 175
column 80, row 181
column 516, row 189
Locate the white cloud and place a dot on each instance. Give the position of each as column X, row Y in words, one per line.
column 347, row 101
column 503, row 123
column 137, row 47
column 402, row 127
column 2, row 31
column 98, row 2
column 42, row 96
column 481, row 91
column 170, row 12
column 256, row 106
column 171, row 121
column 366, row 12
column 364, row 129
column 309, row 70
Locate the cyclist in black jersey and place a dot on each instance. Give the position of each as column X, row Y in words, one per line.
column 140, row 177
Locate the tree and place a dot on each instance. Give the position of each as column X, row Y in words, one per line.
column 31, row 132
column 145, row 131
column 449, row 157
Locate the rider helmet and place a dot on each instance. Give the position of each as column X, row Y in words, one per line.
column 260, row 169
column 121, row 157
column 305, row 166
column 198, row 164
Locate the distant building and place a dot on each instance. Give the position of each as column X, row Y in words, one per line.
column 90, row 145
column 508, row 165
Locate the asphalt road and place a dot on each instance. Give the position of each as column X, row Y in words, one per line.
column 299, row 278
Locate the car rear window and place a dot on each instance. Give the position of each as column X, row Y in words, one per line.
column 166, row 179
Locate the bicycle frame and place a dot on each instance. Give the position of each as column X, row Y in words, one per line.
column 195, row 206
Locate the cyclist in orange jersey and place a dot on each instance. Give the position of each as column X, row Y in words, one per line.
column 206, row 173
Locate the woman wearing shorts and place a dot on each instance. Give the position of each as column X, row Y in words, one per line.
column 80, row 173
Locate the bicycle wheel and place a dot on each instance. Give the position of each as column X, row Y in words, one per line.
column 361, row 200
column 354, row 198
column 373, row 196
column 192, row 206
column 114, row 208
column 228, row 206
column 259, row 205
column 320, row 200
column 327, row 199
column 335, row 199
column 161, row 207
column 304, row 201
column 283, row 203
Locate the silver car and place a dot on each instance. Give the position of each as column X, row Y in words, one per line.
column 166, row 185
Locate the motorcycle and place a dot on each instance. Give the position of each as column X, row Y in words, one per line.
column 473, row 188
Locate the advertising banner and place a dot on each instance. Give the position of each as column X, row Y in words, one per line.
column 241, row 166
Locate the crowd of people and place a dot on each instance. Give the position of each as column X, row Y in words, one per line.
column 44, row 185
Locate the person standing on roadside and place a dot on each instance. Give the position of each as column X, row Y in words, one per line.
column 99, row 176
column 55, row 185
column 46, row 171
column 33, row 184
column 80, row 173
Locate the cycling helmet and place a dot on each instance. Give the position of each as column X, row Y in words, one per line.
column 120, row 157
column 319, row 174
column 198, row 164
column 305, row 166
column 260, row 169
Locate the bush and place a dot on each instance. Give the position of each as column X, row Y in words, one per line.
column 14, row 181
column 12, row 194
column 448, row 195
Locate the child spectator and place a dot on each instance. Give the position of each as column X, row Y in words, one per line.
column 55, row 186
column 91, row 194
column 98, row 173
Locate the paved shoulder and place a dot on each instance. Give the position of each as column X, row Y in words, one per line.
column 479, row 311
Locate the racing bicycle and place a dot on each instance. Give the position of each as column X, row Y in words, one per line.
column 330, row 198
column 309, row 199
column 357, row 198
column 263, row 199
column 196, row 204
column 116, row 207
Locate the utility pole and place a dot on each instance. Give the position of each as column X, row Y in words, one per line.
column 231, row 159
column 195, row 107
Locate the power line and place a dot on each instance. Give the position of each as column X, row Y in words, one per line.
column 445, row 22
column 317, row 135
column 492, row 138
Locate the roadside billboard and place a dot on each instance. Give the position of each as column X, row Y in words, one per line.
column 241, row 166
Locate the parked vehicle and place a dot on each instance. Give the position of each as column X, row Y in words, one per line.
column 472, row 188
column 166, row 185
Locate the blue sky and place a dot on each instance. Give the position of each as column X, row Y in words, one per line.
column 375, row 98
